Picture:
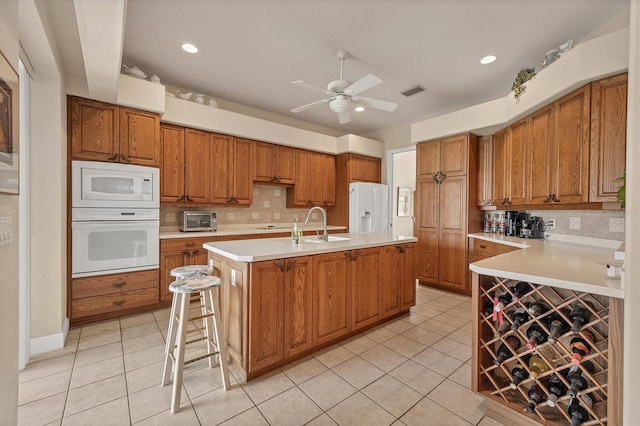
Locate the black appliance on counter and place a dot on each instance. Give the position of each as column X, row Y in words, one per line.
column 533, row 228
column 513, row 222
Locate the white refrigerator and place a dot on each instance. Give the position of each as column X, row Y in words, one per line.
column 369, row 207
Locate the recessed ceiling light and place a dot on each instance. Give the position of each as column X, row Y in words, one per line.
column 359, row 108
column 487, row 59
column 188, row 47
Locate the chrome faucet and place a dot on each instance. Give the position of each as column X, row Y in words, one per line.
column 325, row 235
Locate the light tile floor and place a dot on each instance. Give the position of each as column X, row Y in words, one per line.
column 413, row 370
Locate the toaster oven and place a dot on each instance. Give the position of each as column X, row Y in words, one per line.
column 191, row 220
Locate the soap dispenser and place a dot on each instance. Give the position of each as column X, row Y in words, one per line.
column 296, row 233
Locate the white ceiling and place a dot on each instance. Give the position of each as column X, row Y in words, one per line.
column 251, row 50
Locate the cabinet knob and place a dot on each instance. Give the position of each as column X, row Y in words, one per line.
column 118, row 303
column 119, row 284
column 483, row 246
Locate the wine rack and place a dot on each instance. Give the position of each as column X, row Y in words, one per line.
column 493, row 381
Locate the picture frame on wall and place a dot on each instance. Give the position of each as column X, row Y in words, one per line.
column 404, row 201
column 9, row 128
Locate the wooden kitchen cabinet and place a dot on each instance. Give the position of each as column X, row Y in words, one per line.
column 232, row 165
column 540, row 148
column 446, row 206
column 198, row 167
column 608, row 137
column 366, row 286
column 172, row 165
column 331, row 297
column 105, row 132
column 509, row 165
column 485, row 162
column 351, row 168
column 398, row 279
column 113, row 294
column 315, row 180
column 177, row 252
column 482, row 249
column 275, row 164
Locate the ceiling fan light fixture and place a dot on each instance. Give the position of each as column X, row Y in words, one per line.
column 359, row 108
column 488, row 59
column 340, row 104
column 188, row 47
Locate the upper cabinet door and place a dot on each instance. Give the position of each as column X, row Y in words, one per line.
column 139, row 137
column 454, row 155
column 571, row 163
column 285, row 164
column 540, row 152
column 517, row 165
column 221, row 164
column 427, row 159
column 329, row 180
column 485, row 162
column 499, row 187
column 198, row 166
column 172, row 164
column 94, row 130
column 242, row 178
column 608, row 137
column 265, row 162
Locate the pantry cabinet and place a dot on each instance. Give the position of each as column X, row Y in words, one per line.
column 608, row 137
column 274, row 164
column 105, row 132
column 315, row 180
column 232, row 164
column 446, row 206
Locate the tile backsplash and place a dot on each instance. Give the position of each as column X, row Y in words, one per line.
column 269, row 206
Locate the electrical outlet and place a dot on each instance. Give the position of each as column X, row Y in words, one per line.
column 255, row 216
column 574, row 223
column 551, row 224
column 616, row 224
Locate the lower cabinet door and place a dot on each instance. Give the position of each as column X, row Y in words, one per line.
column 366, row 290
column 298, row 305
column 407, row 277
column 266, row 298
column 168, row 261
column 331, row 297
column 391, row 280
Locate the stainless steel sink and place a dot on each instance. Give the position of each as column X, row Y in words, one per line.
column 271, row 227
column 332, row 238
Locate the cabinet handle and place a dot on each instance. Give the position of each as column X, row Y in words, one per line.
column 186, row 253
column 401, row 249
column 506, row 201
column 275, row 179
column 548, row 199
column 187, row 198
column 190, row 244
column 118, row 303
column 483, row 246
column 356, row 255
column 124, row 159
column 349, row 255
column 291, row 264
column 119, row 284
column 555, row 199
column 113, row 157
column 280, row 265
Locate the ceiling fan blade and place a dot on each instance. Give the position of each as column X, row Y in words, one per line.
column 311, row 86
column 366, row 82
column 376, row 103
column 311, row 105
column 344, row 117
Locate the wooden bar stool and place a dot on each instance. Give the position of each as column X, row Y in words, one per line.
column 208, row 288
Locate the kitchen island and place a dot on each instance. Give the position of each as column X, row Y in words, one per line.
column 561, row 275
column 283, row 301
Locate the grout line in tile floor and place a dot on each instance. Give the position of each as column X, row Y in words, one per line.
column 412, row 370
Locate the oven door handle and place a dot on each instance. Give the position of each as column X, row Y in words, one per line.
column 114, row 223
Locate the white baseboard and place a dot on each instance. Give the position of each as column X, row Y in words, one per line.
column 49, row 343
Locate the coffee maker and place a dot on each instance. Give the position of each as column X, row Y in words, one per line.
column 513, row 222
column 533, row 228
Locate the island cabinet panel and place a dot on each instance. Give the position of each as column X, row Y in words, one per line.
column 398, row 279
column 608, row 137
column 266, row 313
column 298, row 305
column 274, row 164
column 331, row 297
column 366, row 286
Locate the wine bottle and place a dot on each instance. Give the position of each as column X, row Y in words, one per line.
column 519, row 372
column 578, row 413
column 536, row 396
column 502, row 329
column 537, row 366
column 521, row 288
column 487, row 308
column 556, row 388
column 519, row 317
column 503, row 300
column 538, row 308
column 580, row 346
column 557, row 326
column 580, row 315
column 576, row 378
column 536, row 335
column 507, row 349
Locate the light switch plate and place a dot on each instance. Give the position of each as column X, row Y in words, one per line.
column 616, row 224
column 574, row 223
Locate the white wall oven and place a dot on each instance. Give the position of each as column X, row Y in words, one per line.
column 115, row 218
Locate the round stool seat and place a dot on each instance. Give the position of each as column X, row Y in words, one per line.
column 195, row 284
column 189, row 271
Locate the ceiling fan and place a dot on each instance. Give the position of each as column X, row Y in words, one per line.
column 343, row 94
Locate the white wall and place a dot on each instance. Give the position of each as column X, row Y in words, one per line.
column 9, row 254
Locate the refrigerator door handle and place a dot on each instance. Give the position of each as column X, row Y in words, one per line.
column 375, row 214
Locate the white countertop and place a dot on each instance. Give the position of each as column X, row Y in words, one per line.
column 224, row 230
column 278, row 248
column 554, row 262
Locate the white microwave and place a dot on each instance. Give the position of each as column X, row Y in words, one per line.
column 98, row 185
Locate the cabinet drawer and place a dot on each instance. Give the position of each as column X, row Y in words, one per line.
column 485, row 246
column 185, row 243
column 115, row 283
column 114, row 302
